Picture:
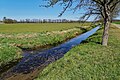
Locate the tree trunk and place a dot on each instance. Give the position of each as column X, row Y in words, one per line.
column 107, row 21
column 106, row 32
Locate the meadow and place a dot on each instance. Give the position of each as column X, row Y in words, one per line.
column 117, row 22
column 38, row 27
column 88, row 61
column 15, row 37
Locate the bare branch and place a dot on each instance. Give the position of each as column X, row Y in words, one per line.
column 68, row 5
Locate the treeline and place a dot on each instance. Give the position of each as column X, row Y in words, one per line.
column 116, row 21
column 46, row 21
column 8, row 20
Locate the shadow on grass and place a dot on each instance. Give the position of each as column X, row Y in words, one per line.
column 82, row 29
column 95, row 38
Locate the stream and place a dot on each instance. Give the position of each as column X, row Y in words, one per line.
column 32, row 64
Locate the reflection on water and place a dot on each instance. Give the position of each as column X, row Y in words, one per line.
column 31, row 62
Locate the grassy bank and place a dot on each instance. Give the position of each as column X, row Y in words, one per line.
column 8, row 53
column 88, row 61
column 12, row 41
column 35, row 40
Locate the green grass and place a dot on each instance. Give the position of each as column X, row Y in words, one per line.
column 32, row 36
column 8, row 53
column 37, row 27
column 116, row 22
column 32, row 40
column 88, row 61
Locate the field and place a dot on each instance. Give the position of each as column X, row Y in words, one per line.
column 117, row 22
column 37, row 27
column 15, row 37
column 88, row 61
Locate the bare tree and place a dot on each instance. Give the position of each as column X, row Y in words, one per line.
column 106, row 9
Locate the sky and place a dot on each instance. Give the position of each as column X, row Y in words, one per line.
column 29, row 9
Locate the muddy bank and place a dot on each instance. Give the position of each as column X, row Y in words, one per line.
column 5, row 67
column 31, row 65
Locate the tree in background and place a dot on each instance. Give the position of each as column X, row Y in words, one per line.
column 6, row 20
column 105, row 9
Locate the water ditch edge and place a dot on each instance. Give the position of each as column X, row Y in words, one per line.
column 31, row 65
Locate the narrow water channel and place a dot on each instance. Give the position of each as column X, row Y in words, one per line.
column 31, row 65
